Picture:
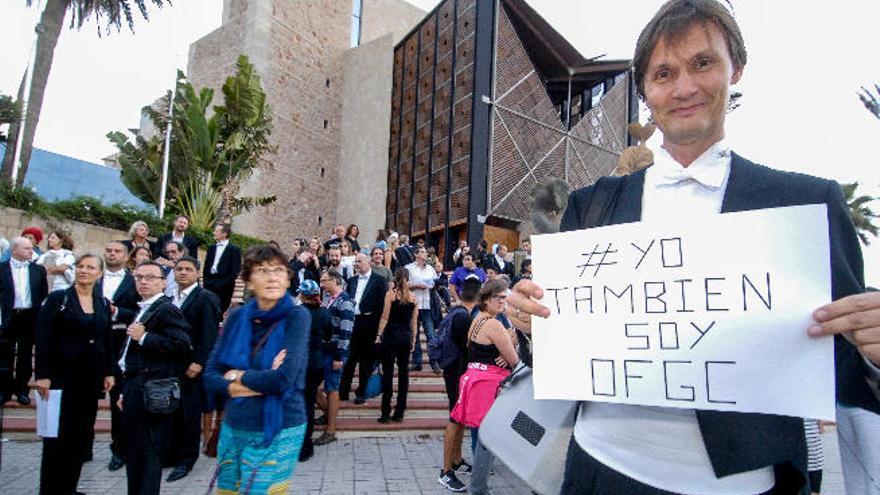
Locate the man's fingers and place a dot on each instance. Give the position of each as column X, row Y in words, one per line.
column 856, row 303
column 847, row 322
column 529, row 289
column 520, row 320
column 522, row 302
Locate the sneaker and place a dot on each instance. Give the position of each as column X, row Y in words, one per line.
column 436, row 368
column 463, row 467
column 325, row 438
column 450, row 481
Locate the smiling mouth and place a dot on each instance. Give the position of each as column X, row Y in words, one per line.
column 688, row 110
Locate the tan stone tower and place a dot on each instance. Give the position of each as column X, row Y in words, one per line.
column 326, row 66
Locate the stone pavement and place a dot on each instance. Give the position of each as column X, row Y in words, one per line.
column 353, row 465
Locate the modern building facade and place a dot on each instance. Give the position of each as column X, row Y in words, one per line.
column 488, row 100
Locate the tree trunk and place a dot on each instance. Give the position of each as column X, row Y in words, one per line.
column 12, row 139
column 48, row 31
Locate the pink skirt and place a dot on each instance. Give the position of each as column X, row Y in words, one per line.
column 476, row 393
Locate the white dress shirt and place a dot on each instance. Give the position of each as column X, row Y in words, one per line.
column 111, row 283
column 658, row 446
column 144, row 305
column 21, row 278
column 421, row 276
column 359, row 292
column 181, row 295
column 221, row 246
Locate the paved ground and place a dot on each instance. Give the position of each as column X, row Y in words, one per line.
column 355, row 465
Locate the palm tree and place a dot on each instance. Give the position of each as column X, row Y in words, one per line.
column 9, row 113
column 860, row 213
column 870, row 100
column 110, row 12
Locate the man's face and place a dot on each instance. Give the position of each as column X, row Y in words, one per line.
column 172, row 251
column 23, row 251
column 468, row 262
column 334, row 257
column 219, row 233
column 527, row 246
column 185, row 274
column 502, row 251
column 328, row 283
column 421, row 255
column 115, row 255
column 490, row 274
column 687, row 86
column 377, row 257
column 149, row 281
column 362, row 264
column 339, row 231
column 181, row 224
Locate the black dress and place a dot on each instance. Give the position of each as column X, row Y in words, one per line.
column 395, row 346
column 74, row 351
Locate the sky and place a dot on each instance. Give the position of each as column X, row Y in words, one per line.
column 799, row 111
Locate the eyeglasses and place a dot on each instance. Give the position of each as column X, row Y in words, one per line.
column 273, row 271
column 147, row 278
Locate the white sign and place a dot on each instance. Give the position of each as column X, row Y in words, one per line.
column 707, row 315
column 48, row 414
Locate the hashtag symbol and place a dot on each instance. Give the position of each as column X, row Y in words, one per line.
column 601, row 261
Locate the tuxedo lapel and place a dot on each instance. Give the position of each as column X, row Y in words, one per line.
column 190, row 298
column 744, row 187
column 127, row 281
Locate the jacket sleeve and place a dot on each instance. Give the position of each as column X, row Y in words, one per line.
column 296, row 341
column 209, row 324
column 170, row 339
column 45, row 335
column 214, row 370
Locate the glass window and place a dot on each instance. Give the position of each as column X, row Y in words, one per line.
column 356, row 11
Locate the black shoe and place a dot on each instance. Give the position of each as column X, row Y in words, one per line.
column 179, row 472
column 116, row 463
column 436, row 368
column 359, row 400
column 321, row 421
column 306, row 454
column 384, row 419
column 343, row 398
column 415, row 367
column 397, row 418
column 449, row 480
column 462, row 467
column 24, row 400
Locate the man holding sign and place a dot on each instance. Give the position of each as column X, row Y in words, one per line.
column 686, row 59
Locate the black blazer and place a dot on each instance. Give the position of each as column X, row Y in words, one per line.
column 71, row 353
column 37, row 282
column 189, row 242
column 739, row 442
column 129, row 245
column 227, row 269
column 167, row 350
column 312, row 272
column 373, row 300
column 125, row 298
column 202, row 312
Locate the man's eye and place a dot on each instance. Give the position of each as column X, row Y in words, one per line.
column 703, row 63
column 662, row 74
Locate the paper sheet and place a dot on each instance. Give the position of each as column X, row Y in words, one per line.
column 48, row 413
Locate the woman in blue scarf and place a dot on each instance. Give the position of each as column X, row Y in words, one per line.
column 259, row 365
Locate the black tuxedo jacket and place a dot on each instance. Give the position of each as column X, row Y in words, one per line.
column 167, row 350
column 227, row 269
column 202, row 312
column 125, row 298
column 312, row 272
column 189, row 242
column 738, row 442
column 37, row 282
column 373, row 301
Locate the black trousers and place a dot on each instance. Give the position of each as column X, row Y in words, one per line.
column 186, row 426
column 584, row 475
column 63, row 457
column 146, row 436
column 389, row 354
column 361, row 354
column 314, row 377
column 17, row 352
column 117, row 439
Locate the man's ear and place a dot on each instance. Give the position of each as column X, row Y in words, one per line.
column 737, row 74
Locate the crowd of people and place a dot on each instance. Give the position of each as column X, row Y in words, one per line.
column 188, row 369
column 243, row 384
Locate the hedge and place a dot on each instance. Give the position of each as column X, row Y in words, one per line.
column 90, row 210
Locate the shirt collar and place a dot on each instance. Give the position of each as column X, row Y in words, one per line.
column 148, row 302
column 223, row 242
column 183, row 294
column 117, row 274
column 18, row 264
column 709, row 169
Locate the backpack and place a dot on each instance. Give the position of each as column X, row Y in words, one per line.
column 443, row 350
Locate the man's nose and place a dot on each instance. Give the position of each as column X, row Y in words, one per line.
column 685, row 85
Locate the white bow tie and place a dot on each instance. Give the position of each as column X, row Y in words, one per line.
column 119, row 274
column 19, row 264
column 707, row 172
column 144, row 304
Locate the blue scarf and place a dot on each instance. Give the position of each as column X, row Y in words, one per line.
column 237, row 354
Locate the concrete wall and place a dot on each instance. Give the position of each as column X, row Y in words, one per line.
column 363, row 160
column 381, row 17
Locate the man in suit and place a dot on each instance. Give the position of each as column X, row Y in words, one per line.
column 201, row 308
column 222, row 266
column 405, row 253
column 117, row 286
column 157, row 347
column 191, row 243
column 686, row 59
column 367, row 290
column 23, row 286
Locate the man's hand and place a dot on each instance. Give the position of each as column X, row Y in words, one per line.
column 857, row 318
column 337, row 365
column 193, row 370
column 119, row 402
column 135, row 330
column 523, row 304
column 164, row 262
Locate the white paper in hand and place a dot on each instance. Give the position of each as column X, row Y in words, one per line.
column 48, row 412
